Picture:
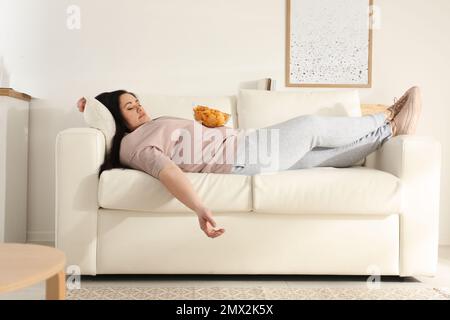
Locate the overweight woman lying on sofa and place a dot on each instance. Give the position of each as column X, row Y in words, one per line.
column 166, row 147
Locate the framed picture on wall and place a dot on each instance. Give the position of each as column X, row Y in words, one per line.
column 329, row 43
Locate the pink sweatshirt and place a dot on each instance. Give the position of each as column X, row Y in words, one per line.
column 187, row 143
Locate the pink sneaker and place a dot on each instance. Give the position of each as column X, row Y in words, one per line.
column 406, row 112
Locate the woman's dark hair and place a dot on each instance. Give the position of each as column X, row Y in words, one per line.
column 111, row 101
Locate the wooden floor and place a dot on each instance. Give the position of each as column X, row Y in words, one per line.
column 442, row 279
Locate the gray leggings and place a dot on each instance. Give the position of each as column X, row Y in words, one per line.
column 312, row 141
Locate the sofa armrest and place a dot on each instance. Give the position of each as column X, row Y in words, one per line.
column 416, row 160
column 79, row 153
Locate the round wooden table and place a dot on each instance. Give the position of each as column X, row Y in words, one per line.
column 23, row 265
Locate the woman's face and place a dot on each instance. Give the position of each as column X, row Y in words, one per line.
column 132, row 111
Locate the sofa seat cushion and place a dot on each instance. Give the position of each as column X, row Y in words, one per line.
column 128, row 189
column 327, row 190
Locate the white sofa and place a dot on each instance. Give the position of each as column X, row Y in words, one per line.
column 377, row 217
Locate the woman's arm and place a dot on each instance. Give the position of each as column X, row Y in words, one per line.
column 174, row 179
column 176, row 182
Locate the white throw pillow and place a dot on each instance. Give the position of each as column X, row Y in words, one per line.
column 258, row 108
column 99, row 117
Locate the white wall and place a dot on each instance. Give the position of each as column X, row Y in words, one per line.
column 197, row 47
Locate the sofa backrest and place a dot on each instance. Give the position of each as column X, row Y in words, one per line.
column 181, row 106
column 253, row 108
column 257, row 109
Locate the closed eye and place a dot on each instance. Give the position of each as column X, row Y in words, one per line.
column 137, row 101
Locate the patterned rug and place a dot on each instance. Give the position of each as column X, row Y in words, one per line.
column 261, row 293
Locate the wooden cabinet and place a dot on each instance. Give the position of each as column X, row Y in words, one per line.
column 14, row 110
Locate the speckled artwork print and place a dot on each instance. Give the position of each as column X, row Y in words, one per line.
column 329, row 42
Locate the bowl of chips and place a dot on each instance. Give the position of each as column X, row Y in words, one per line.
column 210, row 117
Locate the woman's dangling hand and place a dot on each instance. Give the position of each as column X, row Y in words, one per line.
column 207, row 223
